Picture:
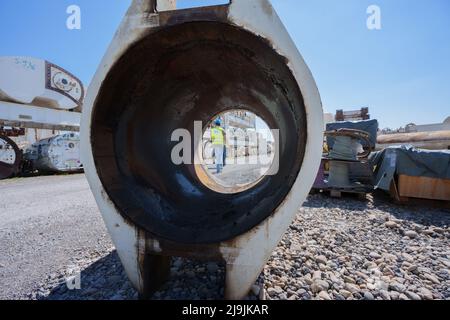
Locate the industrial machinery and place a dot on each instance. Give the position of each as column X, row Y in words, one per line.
column 345, row 167
column 346, row 152
column 31, row 81
column 165, row 70
column 56, row 154
column 36, row 94
column 10, row 157
column 37, row 100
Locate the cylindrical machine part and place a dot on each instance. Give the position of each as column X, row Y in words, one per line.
column 166, row 71
column 10, row 157
column 56, row 154
column 345, row 148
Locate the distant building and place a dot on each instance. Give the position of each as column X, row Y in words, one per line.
column 239, row 119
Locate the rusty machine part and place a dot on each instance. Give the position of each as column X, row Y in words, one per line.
column 10, row 157
column 166, row 70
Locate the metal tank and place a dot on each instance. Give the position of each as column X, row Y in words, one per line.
column 163, row 71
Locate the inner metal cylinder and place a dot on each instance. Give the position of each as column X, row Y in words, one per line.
column 172, row 77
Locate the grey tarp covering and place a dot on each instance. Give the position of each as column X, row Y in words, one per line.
column 369, row 126
column 407, row 160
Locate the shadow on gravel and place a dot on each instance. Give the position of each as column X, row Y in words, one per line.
column 105, row 279
column 422, row 215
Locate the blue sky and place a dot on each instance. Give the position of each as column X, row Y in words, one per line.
column 401, row 72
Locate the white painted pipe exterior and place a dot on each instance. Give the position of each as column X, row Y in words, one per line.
column 247, row 254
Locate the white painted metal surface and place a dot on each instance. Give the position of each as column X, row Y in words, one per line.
column 29, row 80
column 247, row 254
column 29, row 116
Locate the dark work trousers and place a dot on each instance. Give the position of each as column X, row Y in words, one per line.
column 224, row 155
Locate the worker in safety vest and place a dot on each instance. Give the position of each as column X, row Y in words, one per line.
column 218, row 142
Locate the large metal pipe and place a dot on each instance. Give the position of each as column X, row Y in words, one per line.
column 60, row 153
column 434, row 140
column 162, row 72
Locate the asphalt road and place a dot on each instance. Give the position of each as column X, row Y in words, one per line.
column 242, row 171
column 46, row 223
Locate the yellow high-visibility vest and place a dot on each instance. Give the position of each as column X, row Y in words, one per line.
column 217, row 136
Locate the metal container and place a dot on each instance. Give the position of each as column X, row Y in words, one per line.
column 163, row 71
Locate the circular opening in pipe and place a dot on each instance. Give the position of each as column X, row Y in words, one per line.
column 237, row 151
column 170, row 80
column 7, row 152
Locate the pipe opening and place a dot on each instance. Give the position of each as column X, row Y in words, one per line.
column 173, row 78
column 237, row 152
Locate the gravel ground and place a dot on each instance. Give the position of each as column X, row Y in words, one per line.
column 46, row 224
column 348, row 249
column 335, row 249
